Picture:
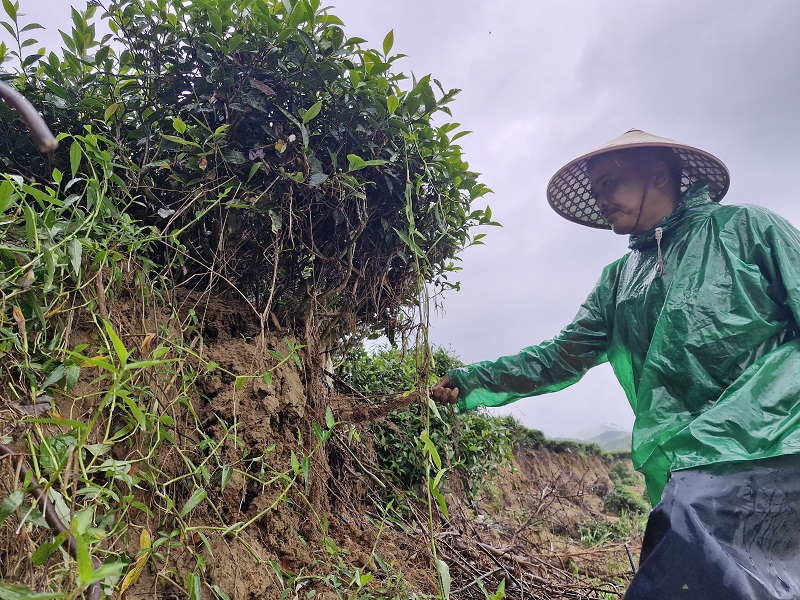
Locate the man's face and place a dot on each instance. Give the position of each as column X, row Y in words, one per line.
column 618, row 187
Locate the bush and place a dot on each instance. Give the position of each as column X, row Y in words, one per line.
column 620, row 474
column 622, row 498
column 474, row 442
column 275, row 156
column 523, row 437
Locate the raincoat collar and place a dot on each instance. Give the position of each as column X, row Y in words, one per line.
column 693, row 197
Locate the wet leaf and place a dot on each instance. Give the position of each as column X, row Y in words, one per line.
column 388, row 42
column 312, row 112
column 444, row 576
column 196, row 498
column 10, row 504
column 262, row 87
column 111, row 110
column 75, row 155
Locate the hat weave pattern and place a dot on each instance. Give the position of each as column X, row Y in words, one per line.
column 570, row 191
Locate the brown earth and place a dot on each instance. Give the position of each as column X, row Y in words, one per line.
column 525, row 527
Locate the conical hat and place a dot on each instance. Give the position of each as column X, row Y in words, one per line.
column 570, row 193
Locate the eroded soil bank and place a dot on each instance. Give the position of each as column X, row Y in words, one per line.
column 219, row 473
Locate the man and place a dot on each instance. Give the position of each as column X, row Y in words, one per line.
column 700, row 324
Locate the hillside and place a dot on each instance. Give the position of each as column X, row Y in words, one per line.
column 266, row 523
column 611, row 440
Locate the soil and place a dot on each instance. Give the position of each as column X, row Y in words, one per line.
column 525, row 527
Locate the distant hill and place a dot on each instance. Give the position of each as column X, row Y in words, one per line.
column 613, row 441
column 609, row 437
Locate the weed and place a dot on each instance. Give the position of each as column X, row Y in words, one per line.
column 627, row 527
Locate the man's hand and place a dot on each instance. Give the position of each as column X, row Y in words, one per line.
column 444, row 392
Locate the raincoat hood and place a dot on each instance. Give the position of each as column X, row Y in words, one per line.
column 706, row 349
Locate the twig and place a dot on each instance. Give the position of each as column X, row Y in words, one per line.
column 482, row 547
column 630, row 558
column 343, row 383
column 455, row 593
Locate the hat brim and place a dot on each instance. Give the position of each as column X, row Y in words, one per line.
column 569, row 191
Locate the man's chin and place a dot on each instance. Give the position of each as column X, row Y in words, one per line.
column 620, row 229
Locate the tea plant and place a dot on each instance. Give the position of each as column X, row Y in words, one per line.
column 242, row 148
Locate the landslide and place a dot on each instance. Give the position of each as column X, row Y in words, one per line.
column 226, row 484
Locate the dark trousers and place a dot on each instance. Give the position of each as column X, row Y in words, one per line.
column 724, row 532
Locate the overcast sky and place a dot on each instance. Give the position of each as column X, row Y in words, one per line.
column 546, row 80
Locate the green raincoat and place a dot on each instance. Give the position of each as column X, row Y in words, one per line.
column 706, row 349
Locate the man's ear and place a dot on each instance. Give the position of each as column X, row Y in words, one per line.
column 659, row 174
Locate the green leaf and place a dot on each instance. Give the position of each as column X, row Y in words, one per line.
column 444, row 576
column 6, row 195
column 102, row 55
column 312, row 112
column 179, row 125
column 119, row 348
column 329, row 420
column 500, row 594
column 355, row 162
column 227, row 473
column 317, row 179
column 31, row 228
column 15, row 592
column 437, row 494
column 330, row 20
column 45, row 551
column 254, row 169
column 430, row 449
column 234, row 157
column 55, row 376
column 50, row 269
column 11, row 9
column 196, row 498
column 195, row 586
column 239, row 383
column 138, row 413
column 105, row 571
column 388, row 42
column 75, row 154
column 82, row 521
column 73, row 374
column 182, row 141
column 298, row 14
column 84, row 560
column 308, row 42
column 75, row 251
column 392, row 103
column 10, row 504
column 30, row 27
